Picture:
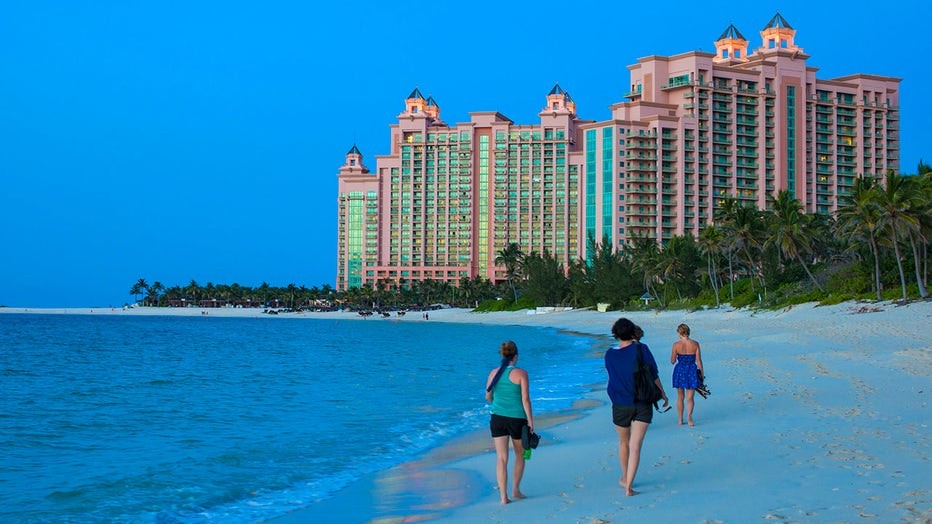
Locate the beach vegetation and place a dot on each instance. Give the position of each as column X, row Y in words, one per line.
column 513, row 259
column 504, row 304
column 875, row 246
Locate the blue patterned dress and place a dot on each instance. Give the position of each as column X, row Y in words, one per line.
column 684, row 374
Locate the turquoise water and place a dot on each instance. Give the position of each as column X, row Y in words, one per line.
column 202, row 419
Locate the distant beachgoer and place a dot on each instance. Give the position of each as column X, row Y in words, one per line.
column 631, row 418
column 688, row 360
column 507, row 389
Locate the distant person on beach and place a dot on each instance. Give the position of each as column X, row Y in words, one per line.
column 508, row 390
column 688, row 360
column 631, row 418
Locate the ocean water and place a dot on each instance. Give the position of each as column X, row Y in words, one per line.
column 234, row 420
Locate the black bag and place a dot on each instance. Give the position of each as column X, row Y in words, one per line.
column 645, row 390
column 529, row 439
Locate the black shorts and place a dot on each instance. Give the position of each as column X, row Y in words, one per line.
column 507, row 426
column 623, row 415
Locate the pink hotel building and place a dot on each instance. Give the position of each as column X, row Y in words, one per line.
column 696, row 128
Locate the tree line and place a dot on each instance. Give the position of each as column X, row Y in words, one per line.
column 875, row 246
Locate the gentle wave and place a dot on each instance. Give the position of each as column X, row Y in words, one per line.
column 120, row 419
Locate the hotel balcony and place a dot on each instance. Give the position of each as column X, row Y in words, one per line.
column 642, row 201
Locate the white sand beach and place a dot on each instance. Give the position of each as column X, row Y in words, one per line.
column 817, row 414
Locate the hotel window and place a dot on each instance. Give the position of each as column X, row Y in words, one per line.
column 737, row 53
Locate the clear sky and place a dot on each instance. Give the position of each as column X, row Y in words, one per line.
column 180, row 140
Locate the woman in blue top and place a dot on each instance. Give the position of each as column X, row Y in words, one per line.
column 631, row 418
column 507, row 390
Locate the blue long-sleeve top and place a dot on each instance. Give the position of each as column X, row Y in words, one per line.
column 620, row 364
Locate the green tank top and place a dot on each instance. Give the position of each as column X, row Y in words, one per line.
column 506, row 397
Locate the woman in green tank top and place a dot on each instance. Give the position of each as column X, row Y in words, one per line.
column 508, row 391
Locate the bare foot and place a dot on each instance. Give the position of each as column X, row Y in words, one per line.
column 517, row 494
column 621, row 482
column 630, row 492
column 691, row 423
column 505, row 501
column 681, row 422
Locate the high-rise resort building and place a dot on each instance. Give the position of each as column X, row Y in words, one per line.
column 696, row 128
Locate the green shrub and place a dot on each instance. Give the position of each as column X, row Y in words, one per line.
column 850, row 279
column 837, row 298
column 493, row 305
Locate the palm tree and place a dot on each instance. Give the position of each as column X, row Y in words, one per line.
column 511, row 257
column 606, row 277
column 858, row 220
column 924, row 185
column 139, row 288
column 725, row 217
column 710, row 241
column 546, row 280
column 292, row 290
column 675, row 263
column 645, row 258
column 192, row 290
column 265, row 291
column 791, row 231
column 156, row 290
column 746, row 231
column 895, row 200
column 919, row 192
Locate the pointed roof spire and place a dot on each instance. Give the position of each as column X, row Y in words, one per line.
column 416, row 94
column 557, row 90
column 778, row 21
column 431, row 102
column 354, row 151
column 732, row 32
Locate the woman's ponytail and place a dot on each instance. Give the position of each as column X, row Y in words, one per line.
column 508, row 351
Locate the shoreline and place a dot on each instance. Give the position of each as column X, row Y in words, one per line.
column 817, row 413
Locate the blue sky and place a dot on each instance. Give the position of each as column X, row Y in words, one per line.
column 174, row 141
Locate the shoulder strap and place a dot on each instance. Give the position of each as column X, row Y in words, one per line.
column 498, row 375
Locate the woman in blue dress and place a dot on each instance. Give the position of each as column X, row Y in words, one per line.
column 688, row 359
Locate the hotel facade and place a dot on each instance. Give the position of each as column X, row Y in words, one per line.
column 695, row 129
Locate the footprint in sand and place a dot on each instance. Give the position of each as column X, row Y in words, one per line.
column 663, row 460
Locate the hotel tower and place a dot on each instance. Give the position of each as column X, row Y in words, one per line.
column 696, row 128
